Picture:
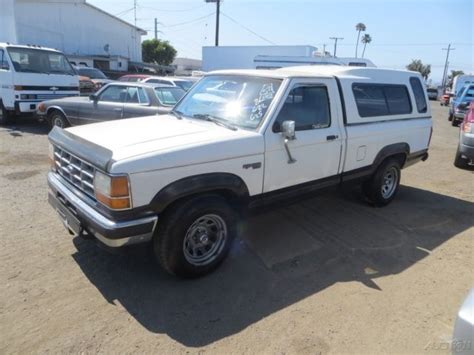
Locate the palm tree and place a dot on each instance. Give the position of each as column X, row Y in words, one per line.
column 365, row 39
column 360, row 27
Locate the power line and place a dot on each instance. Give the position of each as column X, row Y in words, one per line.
column 163, row 10
column 248, row 29
column 190, row 21
column 121, row 13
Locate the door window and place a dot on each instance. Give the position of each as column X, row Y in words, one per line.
column 114, row 93
column 308, row 106
column 420, row 100
column 3, row 61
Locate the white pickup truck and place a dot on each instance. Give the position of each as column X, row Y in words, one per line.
column 238, row 139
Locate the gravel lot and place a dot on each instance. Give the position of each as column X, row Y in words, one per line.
column 327, row 275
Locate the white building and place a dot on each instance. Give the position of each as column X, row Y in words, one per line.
column 82, row 31
column 186, row 66
column 270, row 57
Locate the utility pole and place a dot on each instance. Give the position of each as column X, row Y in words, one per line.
column 445, row 73
column 335, row 43
column 218, row 9
column 135, row 12
column 156, row 28
column 324, row 49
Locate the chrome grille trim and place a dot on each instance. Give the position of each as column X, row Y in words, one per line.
column 76, row 171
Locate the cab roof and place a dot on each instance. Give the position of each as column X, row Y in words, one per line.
column 27, row 46
column 321, row 71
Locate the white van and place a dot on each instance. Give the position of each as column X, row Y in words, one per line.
column 31, row 74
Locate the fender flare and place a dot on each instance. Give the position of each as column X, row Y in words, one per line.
column 52, row 108
column 390, row 150
column 198, row 184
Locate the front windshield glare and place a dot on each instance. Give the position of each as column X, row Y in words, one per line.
column 239, row 100
column 28, row 60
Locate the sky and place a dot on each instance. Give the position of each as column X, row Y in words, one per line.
column 401, row 30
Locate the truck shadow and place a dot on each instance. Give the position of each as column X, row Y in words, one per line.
column 284, row 256
column 26, row 124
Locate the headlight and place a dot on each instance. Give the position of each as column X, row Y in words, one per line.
column 28, row 97
column 112, row 191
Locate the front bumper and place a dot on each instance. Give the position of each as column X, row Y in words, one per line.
column 79, row 216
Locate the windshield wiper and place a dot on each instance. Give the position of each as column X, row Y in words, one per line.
column 177, row 114
column 216, row 120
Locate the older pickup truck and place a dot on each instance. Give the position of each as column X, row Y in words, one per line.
column 238, row 139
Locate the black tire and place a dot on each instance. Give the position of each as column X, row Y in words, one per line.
column 5, row 116
column 459, row 162
column 179, row 230
column 57, row 118
column 450, row 117
column 376, row 190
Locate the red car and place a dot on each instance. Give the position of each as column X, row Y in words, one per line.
column 444, row 99
column 133, row 77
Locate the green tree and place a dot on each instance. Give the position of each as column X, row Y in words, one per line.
column 366, row 39
column 158, row 52
column 417, row 65
column 360, row 27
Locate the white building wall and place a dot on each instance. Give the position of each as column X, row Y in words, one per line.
column 73, row 27
column 7, row 21
column 242, row 57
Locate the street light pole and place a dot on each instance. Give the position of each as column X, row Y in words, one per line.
column 218, row 9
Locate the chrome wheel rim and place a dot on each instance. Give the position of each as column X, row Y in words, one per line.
column 58, row 122
column 389, row 183
column 205, row 239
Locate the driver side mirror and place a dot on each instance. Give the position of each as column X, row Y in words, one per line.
column 288, row 130
column 94, row 97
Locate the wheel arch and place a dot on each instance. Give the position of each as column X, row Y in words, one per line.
column 399, row 151
column 51, row 109
column 229, row 185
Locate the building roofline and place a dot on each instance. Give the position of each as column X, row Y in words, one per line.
column 143, row 32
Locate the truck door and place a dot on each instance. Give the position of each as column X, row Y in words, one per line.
column 314, row 106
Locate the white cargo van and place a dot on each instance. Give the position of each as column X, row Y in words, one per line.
column 460, row 81
column 31, row 74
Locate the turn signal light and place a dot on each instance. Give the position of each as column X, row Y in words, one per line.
column 112, row 191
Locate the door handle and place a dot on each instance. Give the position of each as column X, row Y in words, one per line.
column 332, row 137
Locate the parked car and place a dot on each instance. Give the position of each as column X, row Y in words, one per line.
column 181, row 181
column 463, row 335
column 114, row 101
column 183, row 83
column 133, row 77
column 31, row 74
column 432, row 93
column 465, row 152
column 460, row 104
column 444, row 99
column 86, row 86
column 95, row 75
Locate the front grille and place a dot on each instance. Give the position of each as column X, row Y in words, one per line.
column 76, row 171
column 52, row 96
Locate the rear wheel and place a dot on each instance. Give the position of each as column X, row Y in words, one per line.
column 382, row 188
column 459, row 161
column 195, row 235
column 57, row 119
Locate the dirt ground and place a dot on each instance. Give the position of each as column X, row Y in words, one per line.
column 327, row 275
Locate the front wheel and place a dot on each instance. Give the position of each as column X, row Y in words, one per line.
column 195, row 235
column 57, row 119
column 459, row 162
column 5, row 116
column 382, row 188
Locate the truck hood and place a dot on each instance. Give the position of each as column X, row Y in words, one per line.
column 158, row 142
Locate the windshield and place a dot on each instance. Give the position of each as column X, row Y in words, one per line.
column 184, row 84
column 238, row 100
column 169, row 96
column 91, row 73
column 29, row 60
